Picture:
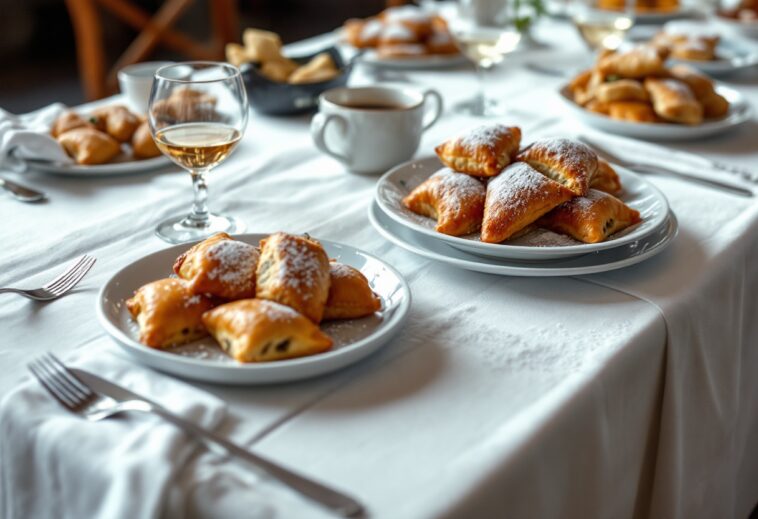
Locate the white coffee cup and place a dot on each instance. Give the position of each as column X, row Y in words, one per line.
column 136, row 81
column 371, row 129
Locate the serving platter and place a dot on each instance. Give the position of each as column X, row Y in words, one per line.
column 740, row 112
column 120, row 167
column 203, row 360
column 592, row 263
column 539, row 244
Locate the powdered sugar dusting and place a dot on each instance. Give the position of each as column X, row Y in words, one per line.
column 487, row 135
column 409, row 13
column 570, row 154
column 516, row 188
column 399, row 32
column 236, row 262
column 371, row 29
column 302, row 268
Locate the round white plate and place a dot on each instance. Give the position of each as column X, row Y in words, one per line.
column 592, row 263
column 539, row 244
column 203, row 360
column 370, row 57
column 100, row 170
column 732, row 57
column 740, row 112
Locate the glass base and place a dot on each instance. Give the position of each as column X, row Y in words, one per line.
column 480, row 108
column 181, row 229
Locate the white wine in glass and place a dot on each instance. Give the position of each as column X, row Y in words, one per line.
column 600, row 28
column 197, row 115
column 486, row 32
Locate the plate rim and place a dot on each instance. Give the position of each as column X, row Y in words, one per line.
column 79, row 170
column 395, row 321
column 742, row 114
column 430, row 61
column 538, row 269
column 565, row 251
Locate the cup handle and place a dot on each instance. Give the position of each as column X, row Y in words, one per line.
column 318, row 128
column 438, row 107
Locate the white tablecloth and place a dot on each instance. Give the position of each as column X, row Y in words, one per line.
column 627, row 394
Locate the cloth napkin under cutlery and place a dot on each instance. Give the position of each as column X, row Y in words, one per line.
column 56, row 464
column 27, row 136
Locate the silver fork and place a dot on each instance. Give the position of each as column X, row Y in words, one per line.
column 79, row 398
column 60, row 285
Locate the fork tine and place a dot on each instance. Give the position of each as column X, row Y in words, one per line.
column 72, row 278
column 69, row 375
column 54, row 380
column 62, row 380
column 66, row 272
column 42, row 379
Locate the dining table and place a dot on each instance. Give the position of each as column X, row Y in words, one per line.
column 628, row 393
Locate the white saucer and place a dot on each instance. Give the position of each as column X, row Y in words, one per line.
column 203, row 360
column 639, row 193
column 740, row 112
column 601, row 261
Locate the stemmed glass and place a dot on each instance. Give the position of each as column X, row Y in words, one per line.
column 486, row 31
column 602, row 24
column 197, row 115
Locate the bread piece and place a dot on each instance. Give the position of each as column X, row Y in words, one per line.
column 700, row 84
column 89, row 146
column 68, row 121
column 350, row 295
column 168, row 313
column 714, row 105
column 621, row 90
column 220, row 266
column 516, row 198
column 320, row 68
column 639, row 62
column 279, row 70
column 261, row 46
column 483, row 152
column 397, row 33
column 455, row 200
column 569, row 162
column 363, row 34
column 294, row 271
column 674, row 101
column 143, row 145
column 117, row 121
column 606, row 179
column 632, row 111
column 441, row 42
column 255, row 330
column 592, row 218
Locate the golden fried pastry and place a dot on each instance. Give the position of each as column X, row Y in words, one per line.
column 483, row 152
column 693, row 50
column 579, row 84
column 89, row 146
column 598, row 107
column 700, row 84
column 606, row 179
column 261, row 46
column 320, row 68
column 255, row 330
column 516, row 198
column 455, row 200
column 363, row 34
column 585, row 95
column 418, row 21
column 143, row 145
column 235, row 54
column 633, row 111
column 400, row 51
column 68, row 121
column 117, row 121
column 294, row 271
column 168, row 313
column 714, row 105
column 621, row 90
column 350, row 295
column 639, row 62
column 674, row 101
column 591, row 218
column 219, row 266
column 396, row 33
column 566, row 161
column 440, row 42
column 279, row 70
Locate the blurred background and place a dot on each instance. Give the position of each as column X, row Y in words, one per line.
column 38, row 37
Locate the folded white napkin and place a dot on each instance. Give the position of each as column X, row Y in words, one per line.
column 55, row 464
column 28, row 136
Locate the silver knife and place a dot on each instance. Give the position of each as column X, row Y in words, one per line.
column 21, row 193
column 336, row 501
column 642, row 167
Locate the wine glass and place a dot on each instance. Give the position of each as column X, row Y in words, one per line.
column 603, row 24
column 197, row 114
column 486, row 31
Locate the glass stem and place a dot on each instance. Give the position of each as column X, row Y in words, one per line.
column 199, row 214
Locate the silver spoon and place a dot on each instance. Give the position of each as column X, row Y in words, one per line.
column 21, row 193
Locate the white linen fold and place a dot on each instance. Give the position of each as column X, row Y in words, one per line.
column 27, row 136
column 56, row 464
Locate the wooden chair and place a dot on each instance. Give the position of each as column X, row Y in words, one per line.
column 154, row 30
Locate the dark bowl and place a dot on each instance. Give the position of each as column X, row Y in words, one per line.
column 274, row 98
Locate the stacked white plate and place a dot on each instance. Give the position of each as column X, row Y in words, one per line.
column 538, row 253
